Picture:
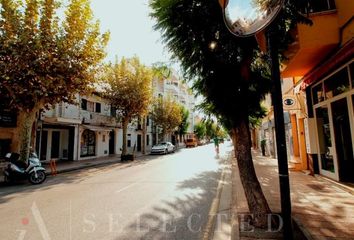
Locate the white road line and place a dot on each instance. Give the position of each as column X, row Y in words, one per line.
column 40, row 222
column 126, row 187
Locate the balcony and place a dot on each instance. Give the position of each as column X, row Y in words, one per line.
column 98, row 119
column 312, row 43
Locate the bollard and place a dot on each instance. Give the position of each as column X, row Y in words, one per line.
column 53, row 167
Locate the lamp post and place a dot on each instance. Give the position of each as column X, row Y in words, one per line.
column 245, row 18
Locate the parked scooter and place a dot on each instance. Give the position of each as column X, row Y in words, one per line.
column 18, row 170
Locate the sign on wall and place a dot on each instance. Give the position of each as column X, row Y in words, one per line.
column 290, row 102
column 8, row 118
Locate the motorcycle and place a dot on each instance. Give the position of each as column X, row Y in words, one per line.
column 18, row 170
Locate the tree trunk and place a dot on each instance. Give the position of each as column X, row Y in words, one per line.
column 22, row 137
column 256, row 200
column 125, row 129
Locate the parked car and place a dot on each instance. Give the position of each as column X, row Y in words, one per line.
column 191, row 142
column 163, row 148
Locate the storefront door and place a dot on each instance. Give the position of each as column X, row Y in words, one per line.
column 344, row 150
column 55, row 145
column 325, row 142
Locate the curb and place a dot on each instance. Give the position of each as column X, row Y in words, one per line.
column 210, row 226
column 101, row 164
column 82, row 167
column 209, row 229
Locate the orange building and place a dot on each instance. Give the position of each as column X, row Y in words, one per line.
column 321, row 66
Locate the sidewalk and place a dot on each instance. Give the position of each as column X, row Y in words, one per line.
column 322, row 209
column 68, row 166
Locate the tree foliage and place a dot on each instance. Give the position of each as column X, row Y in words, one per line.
column 43, row 60
column 200, row 130
column 231, row 73
column 128, row 87
column 183, row 126
column 166, row 114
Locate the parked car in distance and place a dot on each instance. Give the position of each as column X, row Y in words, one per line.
column 163, row 148
column 191, row 142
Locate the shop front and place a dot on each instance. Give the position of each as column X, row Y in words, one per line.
column 333, row 109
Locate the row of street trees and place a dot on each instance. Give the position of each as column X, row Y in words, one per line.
column 208, row 130
column 232, row 74
column 128, row 87
column 47, row 58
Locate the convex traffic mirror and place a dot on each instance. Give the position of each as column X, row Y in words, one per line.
column 247, row 17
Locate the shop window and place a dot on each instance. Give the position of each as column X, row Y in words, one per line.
column 324, row 138
column 337, row 84
column 98, row 108
column 317, row 94
column 4, row 147
column 88, row 143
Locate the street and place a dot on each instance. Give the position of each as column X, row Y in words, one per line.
column 156, row 197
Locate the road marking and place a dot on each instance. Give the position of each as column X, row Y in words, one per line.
column 126, row 187
column 40, row 222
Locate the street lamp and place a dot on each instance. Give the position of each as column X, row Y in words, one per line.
column 246, row 18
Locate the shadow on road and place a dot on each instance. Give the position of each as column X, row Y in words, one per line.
column 184, row 217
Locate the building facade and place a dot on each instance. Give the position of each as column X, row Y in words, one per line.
column 174, row 87
column 84, row 130
column 320, row 66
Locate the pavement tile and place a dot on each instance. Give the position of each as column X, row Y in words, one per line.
column 325, row 210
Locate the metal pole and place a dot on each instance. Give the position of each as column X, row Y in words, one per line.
column 280, row 135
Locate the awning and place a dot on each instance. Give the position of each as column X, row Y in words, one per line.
column 341, row 56
column 98, row 128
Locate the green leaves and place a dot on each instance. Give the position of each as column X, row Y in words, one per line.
column 167, row 114
column 127, row 85
column 43, row 62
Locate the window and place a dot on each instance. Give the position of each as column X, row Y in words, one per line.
column 147, row 121
column 313, row 6
column 317, row 94
column 83, row 104
column 98, row 108
column 325, row 139
column 337, row 84
column 88, row 143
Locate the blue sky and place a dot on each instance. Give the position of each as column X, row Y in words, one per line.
column 131, row 30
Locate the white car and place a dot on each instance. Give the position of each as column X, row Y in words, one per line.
column 163, row 148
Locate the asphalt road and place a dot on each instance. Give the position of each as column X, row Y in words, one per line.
column 156, row 197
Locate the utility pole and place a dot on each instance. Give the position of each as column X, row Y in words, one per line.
column 277, row 100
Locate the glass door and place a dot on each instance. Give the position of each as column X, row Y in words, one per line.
column 325, row 141
column 343, row 140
